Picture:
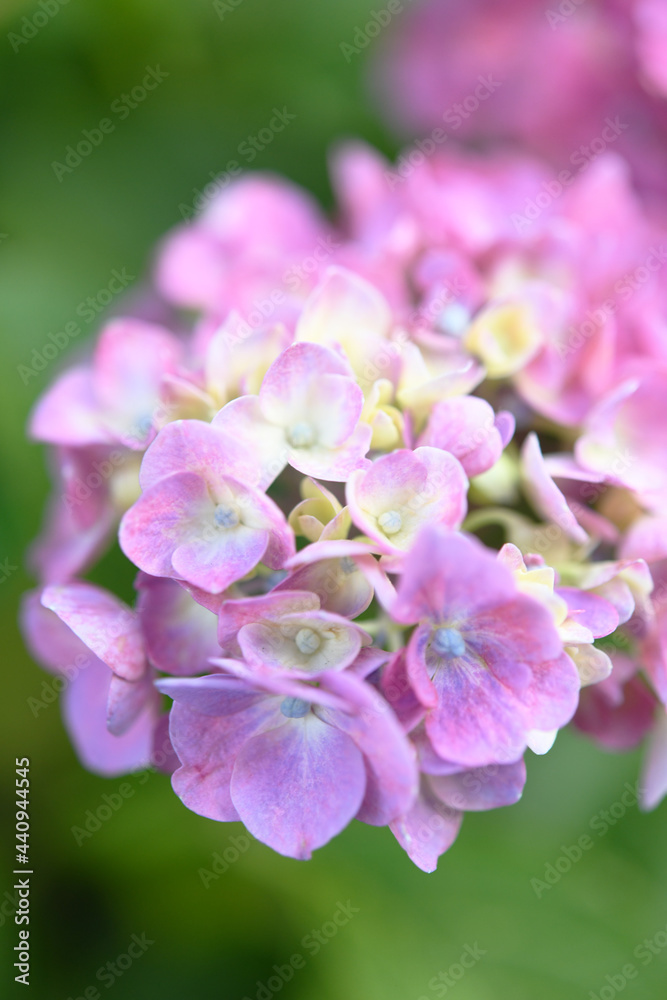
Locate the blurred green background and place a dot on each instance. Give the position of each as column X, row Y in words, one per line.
column 140, row 873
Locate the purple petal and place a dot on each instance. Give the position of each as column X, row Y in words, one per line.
column 292, row 684
column 126, row 701
column 519, row 631
column 428, row 829
column 397, row 689
column 180, row 634
column 481, row 787
column 207, row 747
column 213, row 695
column 505, row 424
column 449, row 575
column 392, row 782
column 297, row 786
column 478, row 720
column 85, row 715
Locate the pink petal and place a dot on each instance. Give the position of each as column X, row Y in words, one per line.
column 552, row 697
column 590, row 610
column 339, row 585
column 409, row 489
column 465, row 426
column 65, row 548
column 646, row 538
column 397, row 689
column 197, row 447
column 234, row 614
column 334, row 464
column 653, row 784
column 216, row 563
column 131, row 359
column 164, row 517
column 106, row 625
column 616, row 725
column 291, row 382
column 171, row 531
column 544, row 494
column 243, row 420
column 190, row 270
column 49, row 640
column 342, row 303
column 275, row 645
column 69, row 413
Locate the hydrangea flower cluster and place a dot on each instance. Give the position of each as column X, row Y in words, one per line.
column 396, row 497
